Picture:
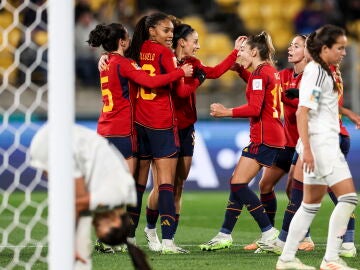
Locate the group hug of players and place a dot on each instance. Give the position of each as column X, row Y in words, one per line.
column 148, row 87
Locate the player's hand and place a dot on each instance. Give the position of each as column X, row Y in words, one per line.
column 308, row 161
column 79, row 258
column 356, row 120
column 235, row 67
column 103, row 62
column 292, row 93
column 239, row 42
column 188, row 70
column 219, row 110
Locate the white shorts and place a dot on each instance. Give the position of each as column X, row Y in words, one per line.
column 330, row 164
column 340, row 171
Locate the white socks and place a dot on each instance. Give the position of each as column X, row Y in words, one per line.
column 298, row 227
column 338, row 224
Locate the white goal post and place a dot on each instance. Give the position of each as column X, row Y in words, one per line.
column 61, row 117
column 37, row 83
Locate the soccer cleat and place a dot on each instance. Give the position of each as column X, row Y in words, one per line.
column 220, row 241
column 259, row 250
column 120, row 248
column 347, row 250
column 269, row 244
column 339, row 264
column 152, row 239
column 306, row 244
column 252, row 246
column 103, row 248
column 295, row 264
column 267, row 247
column 123, row 248
column 169, row 247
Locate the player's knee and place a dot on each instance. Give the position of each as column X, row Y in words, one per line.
column 265, row 187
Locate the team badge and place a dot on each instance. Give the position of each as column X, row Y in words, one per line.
column 315, row 95
column 257, row 84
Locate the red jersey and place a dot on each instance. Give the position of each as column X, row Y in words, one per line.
column 290, row 80
column 185, row 107
column 116, row 118
column 263, row 107
column 154, row 106
column 340, row 85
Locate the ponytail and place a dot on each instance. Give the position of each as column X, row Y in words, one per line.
column 263, row 43
column 107, row 36
column 324, row 36
column 138, row 257
column 140, row 35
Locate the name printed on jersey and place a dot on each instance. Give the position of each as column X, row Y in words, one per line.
column 257, row 84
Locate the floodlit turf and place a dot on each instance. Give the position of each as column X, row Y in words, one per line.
column 201, row 219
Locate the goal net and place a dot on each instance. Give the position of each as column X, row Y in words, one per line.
column 23, row 103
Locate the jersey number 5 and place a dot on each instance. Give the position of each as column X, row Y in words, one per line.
column 147, row 94
column 106, row 95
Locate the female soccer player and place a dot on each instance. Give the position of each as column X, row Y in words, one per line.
column 266, row 133
column 323, row 162
column 116, row 121
column 99, row 192
column 185, row 44
column 155, row 118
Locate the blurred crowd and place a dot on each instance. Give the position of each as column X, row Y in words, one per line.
column 217, row 16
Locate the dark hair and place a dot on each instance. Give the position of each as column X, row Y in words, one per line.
column 107, row 36
column 119, row 235
column 141, row 33
column 264, row 45
column 175, row 20
column 181, row 31
column 324, row 36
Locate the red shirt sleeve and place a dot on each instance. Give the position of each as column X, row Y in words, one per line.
column 218, row 70
column 243, row 73
column 183, row 89
column 142, row 78
column 256, row 95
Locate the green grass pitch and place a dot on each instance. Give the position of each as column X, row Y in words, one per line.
column 200, row 220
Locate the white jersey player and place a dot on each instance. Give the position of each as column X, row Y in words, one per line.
column 323, row 162
column 103, row 185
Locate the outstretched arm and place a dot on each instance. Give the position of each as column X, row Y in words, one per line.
column 142, row 78
column 355, row 118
